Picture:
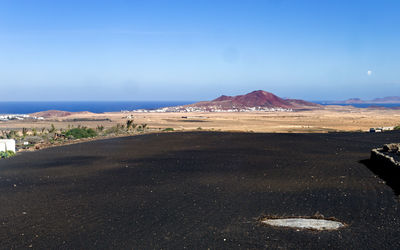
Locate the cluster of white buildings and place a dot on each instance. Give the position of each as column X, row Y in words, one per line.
column 18, row 117
column 182, row 109
column 381, row 129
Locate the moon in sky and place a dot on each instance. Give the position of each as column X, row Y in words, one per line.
column 369, row 72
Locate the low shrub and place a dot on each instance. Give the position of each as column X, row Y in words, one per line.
column 79, row 133
column 7, row 154
column 397, row 127
column 113, row 130
column 168, row 129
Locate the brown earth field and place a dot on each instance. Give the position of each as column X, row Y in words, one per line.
column 200, row 190
column 328, row 119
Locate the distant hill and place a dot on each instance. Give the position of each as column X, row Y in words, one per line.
column 353, row 101
column 56, row 113
column 388, row 99
column 257, row 98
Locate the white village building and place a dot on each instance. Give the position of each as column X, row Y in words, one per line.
column 7, row 144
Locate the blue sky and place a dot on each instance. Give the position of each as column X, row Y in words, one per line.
column 198, row 50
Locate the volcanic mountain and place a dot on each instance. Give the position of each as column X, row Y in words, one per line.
column 257, row 98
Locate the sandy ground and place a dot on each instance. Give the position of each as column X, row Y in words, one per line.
column 200, row 190
column 333, row 118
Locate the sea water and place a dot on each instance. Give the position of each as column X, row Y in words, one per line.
column 91, row 106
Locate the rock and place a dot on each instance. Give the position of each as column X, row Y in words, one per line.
column 391, row 147
column 385, row 157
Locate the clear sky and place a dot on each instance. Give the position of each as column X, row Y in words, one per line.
column 198, row 50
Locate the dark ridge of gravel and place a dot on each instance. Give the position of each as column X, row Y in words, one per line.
column 199, row 190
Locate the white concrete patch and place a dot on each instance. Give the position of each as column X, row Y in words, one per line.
column 7, row 144
column 303, row 223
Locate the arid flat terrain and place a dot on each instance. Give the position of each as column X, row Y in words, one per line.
column 199, row 190
column 332, row 118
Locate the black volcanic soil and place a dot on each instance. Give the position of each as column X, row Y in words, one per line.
column 198, row 190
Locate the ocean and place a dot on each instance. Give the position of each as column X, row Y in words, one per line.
column 95, row 107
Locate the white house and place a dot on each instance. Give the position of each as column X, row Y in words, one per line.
column 7, row 144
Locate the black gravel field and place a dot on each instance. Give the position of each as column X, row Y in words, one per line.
column 200, row 190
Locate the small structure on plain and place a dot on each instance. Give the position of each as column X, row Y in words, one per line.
column 7, row 145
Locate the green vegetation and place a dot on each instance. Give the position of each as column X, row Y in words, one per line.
column 129, row 124
column 52, row 129
column 113, row 130
column 168, row 129
column 11, row 134
column 128, row 128
column 397, row 127
column 100, row 128
column 37, row 138
column 7, row 154
column 78, row 133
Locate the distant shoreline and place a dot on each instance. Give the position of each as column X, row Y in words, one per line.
column 21, row 107
column 29, row 107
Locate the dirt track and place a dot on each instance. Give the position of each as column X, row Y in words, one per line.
column 198, row 190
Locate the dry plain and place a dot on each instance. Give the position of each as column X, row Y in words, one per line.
column 329, row 119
